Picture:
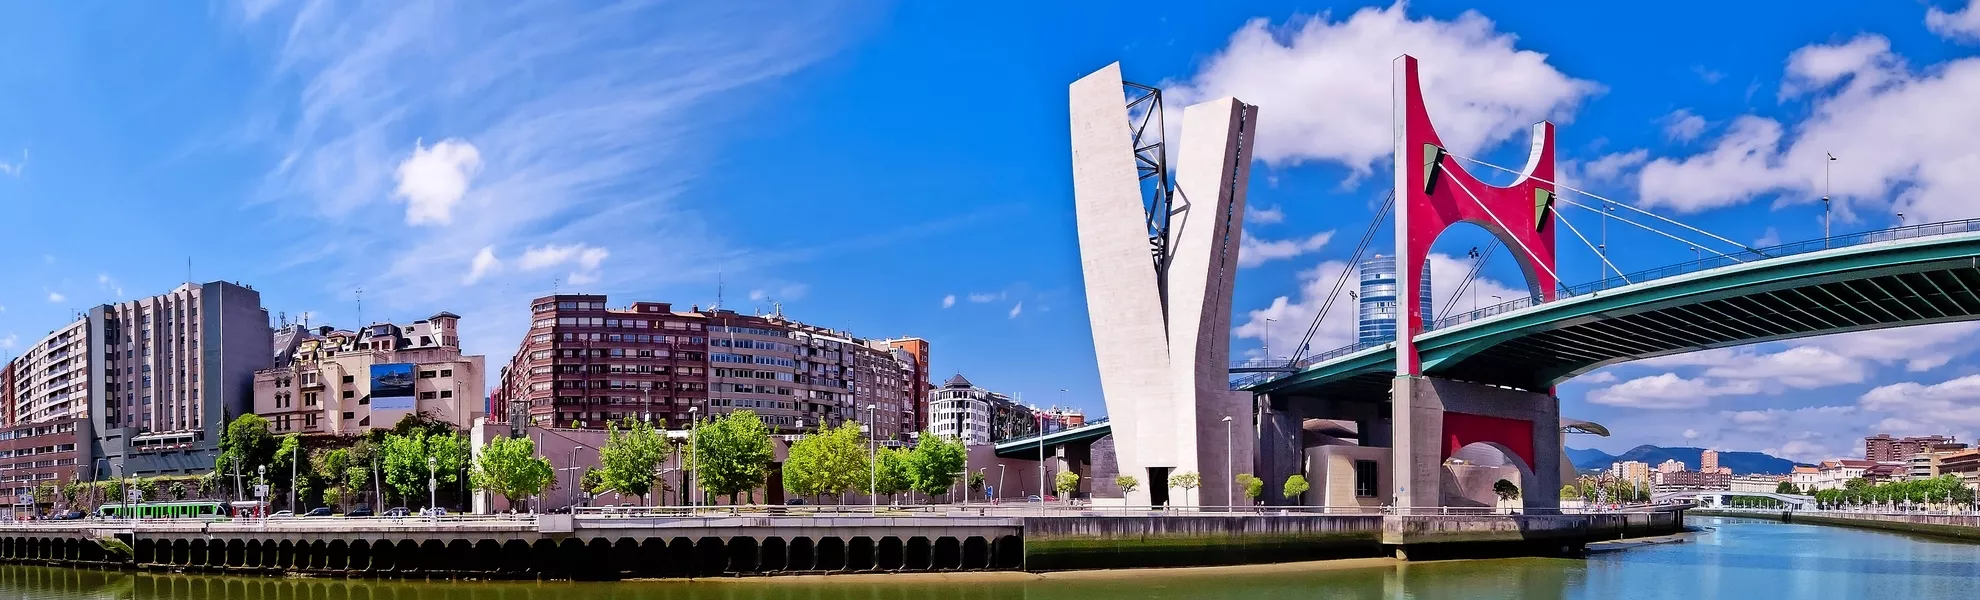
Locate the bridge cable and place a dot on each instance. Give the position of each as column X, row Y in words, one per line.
column 1502, row 226
column 1476, row 266
column 1622, row 204
column 1353, row 263
column 1591, row 246
column 1650, row 229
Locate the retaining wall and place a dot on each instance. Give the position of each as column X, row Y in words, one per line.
column 1962, row 527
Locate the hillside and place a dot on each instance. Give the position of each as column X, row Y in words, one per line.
column 1741, row 463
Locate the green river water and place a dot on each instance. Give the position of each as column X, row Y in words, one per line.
column 1731, row 559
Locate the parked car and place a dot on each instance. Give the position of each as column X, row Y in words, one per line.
column 433, row 512
column 795, row 502
column 283, row 514
column 1033, row 498
column 320, row 511
column 396, row 512
column 67, row 516
column 359, row 511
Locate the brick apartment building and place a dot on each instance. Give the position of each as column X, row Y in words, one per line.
column 584, row 365
column 1884, row 448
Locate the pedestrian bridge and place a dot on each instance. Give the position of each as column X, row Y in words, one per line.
column 1717, row 498
column 1913, row 275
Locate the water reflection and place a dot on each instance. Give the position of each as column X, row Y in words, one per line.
column 1736, row 559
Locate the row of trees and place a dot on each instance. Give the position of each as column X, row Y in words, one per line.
column 838, row 460
column 1604, row 489
column 1249, row 484
column 391, row 464
column 1937, row 491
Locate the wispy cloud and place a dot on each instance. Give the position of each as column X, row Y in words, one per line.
column 1017, row 309
column 57, row 297
column 10, row 341
column 985, row 297
column 947, row 301
column 109, row 284
column 13, row 168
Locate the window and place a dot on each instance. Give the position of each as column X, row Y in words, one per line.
column 426, row 395
column 425, row 374
column 1364, row 478
column 349, row 378
column 446, row 393
column 350, row 393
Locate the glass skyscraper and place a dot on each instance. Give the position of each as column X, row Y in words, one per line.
column 1376, row 319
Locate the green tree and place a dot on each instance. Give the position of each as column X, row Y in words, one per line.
column 1296, row 485
column 365, row 459
column 44, row 493
column 1187, row 481
column 976, row 483
column 245, row 445
column 405, row 461
column 510, row 468
column 1066, row 482
column 631, row 457
column 147, row 488
column 934, row 465
column 330, row 466
column 890, row 473
column 179, row 490
column 1251, row 485
column 1786, row 487
column 737, row 451
column 1127, row 483
column 1569, row 493
column 830, row 461
column 592, row 482
column 1505, row 489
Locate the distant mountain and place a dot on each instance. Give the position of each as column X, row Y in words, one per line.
column 1741, row 463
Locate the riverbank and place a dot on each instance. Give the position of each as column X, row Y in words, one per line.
column 1958, row 527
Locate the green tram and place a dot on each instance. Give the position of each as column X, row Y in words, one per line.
column 165, row 510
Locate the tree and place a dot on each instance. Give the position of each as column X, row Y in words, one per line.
column 330, row 466
column 831, row 461
column 1251, row 485
column 1127, row 483
column 976, row 483
column 1187, row 481
column 630, row 459
column 1506, row 489
column 245, row 445
column 737, row 452
column 934, row 464
column 510, row 468
column 405, row 459
column 179, row 490
column 44, row 493
column 890, row 472
column 1569, row 493
column 1066, row 482
column 1296, row 485
column 1786, row 487
column 591, row 482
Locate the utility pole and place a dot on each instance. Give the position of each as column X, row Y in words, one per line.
column 293, row 456
column 1268, row 337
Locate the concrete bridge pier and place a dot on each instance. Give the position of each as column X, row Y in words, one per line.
column 1437, row 418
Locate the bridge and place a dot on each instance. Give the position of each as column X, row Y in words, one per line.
column 1717, row 498
column 1030, row 445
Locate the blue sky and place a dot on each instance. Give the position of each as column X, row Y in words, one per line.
column 902, row 169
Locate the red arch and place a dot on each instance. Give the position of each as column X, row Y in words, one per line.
column 1463, row 429
column 1431, row 196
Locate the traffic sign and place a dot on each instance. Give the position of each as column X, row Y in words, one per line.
column 133, row 495
column 261, row 490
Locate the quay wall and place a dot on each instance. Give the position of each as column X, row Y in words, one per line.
column 1962, row 527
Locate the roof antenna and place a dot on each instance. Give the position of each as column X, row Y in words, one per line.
column 360, row 307
column 719, row 285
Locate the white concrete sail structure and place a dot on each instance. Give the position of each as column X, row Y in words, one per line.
column 1163, row 362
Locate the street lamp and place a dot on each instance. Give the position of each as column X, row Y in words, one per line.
column 694, row 451
column 1230, row 483
column 260, row 491
column 1825, row 198
column 571, row 462
column 1268, row 337
column 872, row 464
column 432, row 487
column 1000, row 481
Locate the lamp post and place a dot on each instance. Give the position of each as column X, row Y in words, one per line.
column 694, row 451
column 872, row 464
column 1825, row 198
column 571, row 463
column 1000, row 481
column 260, row 495
column 432, row 488
column 1230, row 482
column 1268, row 337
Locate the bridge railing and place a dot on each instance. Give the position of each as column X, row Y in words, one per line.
column 1713, row 262
column 1034, row 437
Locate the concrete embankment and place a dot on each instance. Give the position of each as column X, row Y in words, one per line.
column 1961, row 527
column 560, row 547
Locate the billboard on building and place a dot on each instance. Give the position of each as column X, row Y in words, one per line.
column 392, row 387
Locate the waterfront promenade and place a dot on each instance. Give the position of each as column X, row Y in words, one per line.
column 1955, row 526
column 757, row 541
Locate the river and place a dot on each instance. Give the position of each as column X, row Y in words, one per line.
column 1732, row 559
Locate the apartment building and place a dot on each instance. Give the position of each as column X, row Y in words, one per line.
column 169, row 372
column 1884, row 448
column 960, row 409
column 47, row 453
column 1632, row 471
column 50, row 379
column 329, row 381
column 584, row 365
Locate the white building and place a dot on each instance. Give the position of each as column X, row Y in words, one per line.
column 1756, row 483
column 51, row 377
column 960, row 410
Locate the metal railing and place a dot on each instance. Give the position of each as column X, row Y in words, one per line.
column 1033, row 437
column 1684, row 268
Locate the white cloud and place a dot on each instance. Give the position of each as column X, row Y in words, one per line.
column 1017, row 309
column 1949, row 405
column 9, row 341
column 1709, row 76
column 984, row 297
column 1690, row 434
column 1962, row 25
column 13, row 169
column 1681, row 125
column 1604, row 376
column 1865, row 105
column 1667, row 391
column 1263, row 216
column 109, row 284
column 784, row 294
column 484, row 264
column 948, row 301
column 586, row 260
column 1611, row 167
column 1254, row 251
column 1802, row 367
column 433, row 180
column 1328, row 83
column 56, row 297
column 1768, row 239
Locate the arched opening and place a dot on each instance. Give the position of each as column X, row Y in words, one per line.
column 976, row 553
column 803, row 555
column 892, row 555
column 859, row 554
column 772, row 556
column 680, row 557
column 831, row 554
column 710, row 557
column 1472, row 476
column 948, row 554
column 1008, row 553
column 1471, row 267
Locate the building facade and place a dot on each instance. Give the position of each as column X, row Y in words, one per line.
column 1634, row 472
column 917, row 349
column 584, row 365
column 1755, row 483
column 44, row 455
column 1708, row 461
column 960, row 409
column 330, row 381
column 50, row 379
column 1884, row 448
column 174, row 369
column 1676, row 481
column 1375, row 317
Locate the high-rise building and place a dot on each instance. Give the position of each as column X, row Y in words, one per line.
column 1883, row 448
column 174, row 369
column 1708, row 461
column 1376, row 318
column 961, row 409
column 51, row 377
column 584, row 365
column 918, row 349
column 1632, row 471
column 340, row 382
